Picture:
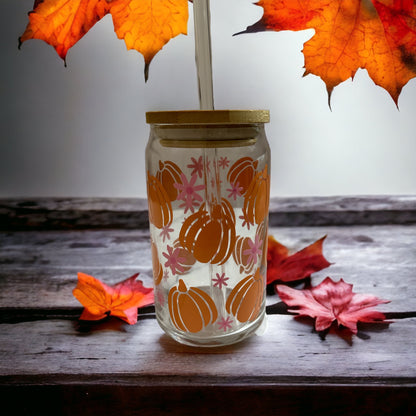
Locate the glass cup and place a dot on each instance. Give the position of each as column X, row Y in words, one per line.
column 208, row 184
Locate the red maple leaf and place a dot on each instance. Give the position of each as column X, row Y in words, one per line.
column 121, row 300
column 332, row 301
column 286, row 268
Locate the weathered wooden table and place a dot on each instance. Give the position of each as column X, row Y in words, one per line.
column 51, row 364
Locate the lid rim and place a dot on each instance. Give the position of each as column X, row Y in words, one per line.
column 208, row 117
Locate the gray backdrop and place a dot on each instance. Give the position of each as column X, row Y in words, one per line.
column 80, row 130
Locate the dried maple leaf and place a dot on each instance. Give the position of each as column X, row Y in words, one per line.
column 378, row 35
column 332, row 301
column 286, row 268
column 121, row 300
column 145, row 25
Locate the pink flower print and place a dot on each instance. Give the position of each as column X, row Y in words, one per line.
column 207, row 166
column 197, row 166
column 189, row 204
column 166, row 274
column 245, row 221
column 173, row 260
column 235, row 191
column 225, row 323
column 165, row 232
column 254, row 250
column 223, row 162
column 220, row 280
column 188, row 192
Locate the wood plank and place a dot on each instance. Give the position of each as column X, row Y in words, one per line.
column 287, row 351
column 131, row 213
column 39, row 269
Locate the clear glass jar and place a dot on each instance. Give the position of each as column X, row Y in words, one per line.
column 208, row 182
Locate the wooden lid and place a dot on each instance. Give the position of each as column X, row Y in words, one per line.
column 208, row 117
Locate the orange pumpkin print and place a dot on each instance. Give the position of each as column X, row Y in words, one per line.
column 157, row 267
column 245, row 300
column 242, row 173
column 256, row 199
column 186, row 259
column 160, row 208
column 245, row 261
column 210, row 237
column 262, row 232
column 191, row 309
column 168, row 174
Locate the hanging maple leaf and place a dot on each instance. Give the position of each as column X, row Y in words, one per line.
column 286, row 268
column 121, row 300
column 145, row 25
column 332, row 301
column 378, row 35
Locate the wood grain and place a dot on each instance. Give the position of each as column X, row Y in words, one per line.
column 130, row 213
column 52, row 364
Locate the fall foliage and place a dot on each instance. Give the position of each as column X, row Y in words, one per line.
column 332, row 301
column 121, row 300
column 286, row 267
column 145, row 25
column 378, row 35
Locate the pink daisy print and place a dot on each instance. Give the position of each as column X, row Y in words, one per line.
column 254, row 250
column 225, row 323
column 223, row 162
column 166, row 274
column 173, row 260
column 165, row 232
column 189, row 204
column 188, row 192
column 246, row 222
column 208, row 163
column 235, row 191
column 197, row 166
column 220, row 280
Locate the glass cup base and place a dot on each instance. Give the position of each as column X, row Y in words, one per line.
column 214, row 340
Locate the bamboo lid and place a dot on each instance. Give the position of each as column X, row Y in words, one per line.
column 208, row 117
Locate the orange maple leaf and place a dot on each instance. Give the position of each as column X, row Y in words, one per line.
column 145, row 25
column 286, row 268
column 378, row 35
column 121, row 300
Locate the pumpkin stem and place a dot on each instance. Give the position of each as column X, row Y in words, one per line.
column 182, row 287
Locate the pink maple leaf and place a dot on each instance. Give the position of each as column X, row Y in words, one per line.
column 332, row 301
column 254, row 249
column 235, row 190
column 197, row 166
column 174, row 260
column 225, row 323
column 220, row 280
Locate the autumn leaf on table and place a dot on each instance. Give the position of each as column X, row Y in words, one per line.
column 332, row 301
column 145, row 25
column 283, row 266
column 121, row 300
column 378, row 35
